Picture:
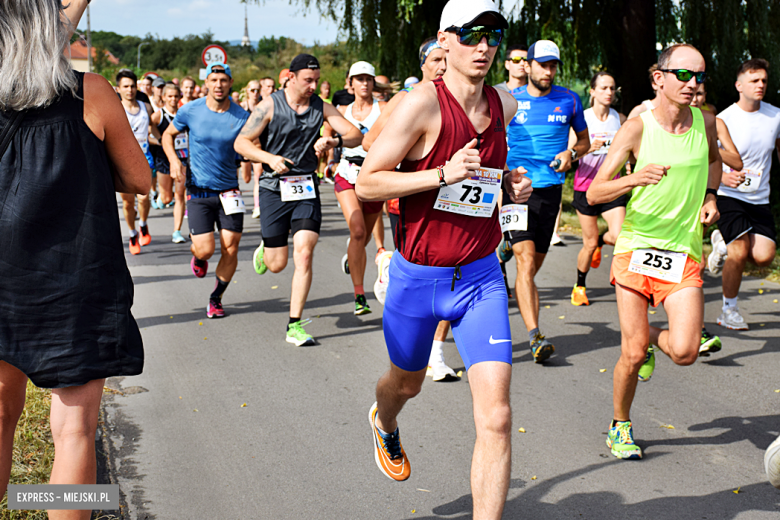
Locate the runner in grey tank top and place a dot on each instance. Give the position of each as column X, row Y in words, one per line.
column 288, row 123
column 292, row 135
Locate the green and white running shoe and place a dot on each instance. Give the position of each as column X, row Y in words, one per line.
column 257, row 259
column 620, row 440
column 646, row 370
column 361, row 305
column 709, row 343
column 297, row 336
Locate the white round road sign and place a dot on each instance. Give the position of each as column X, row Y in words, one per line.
column 213, row 54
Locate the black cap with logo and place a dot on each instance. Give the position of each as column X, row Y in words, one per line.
column 304, row 61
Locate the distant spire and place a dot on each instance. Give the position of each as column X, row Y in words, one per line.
column 245, row 40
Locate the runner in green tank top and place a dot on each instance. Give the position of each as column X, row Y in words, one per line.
column 673, row 195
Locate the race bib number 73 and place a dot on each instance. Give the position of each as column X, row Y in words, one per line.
column 476, row 196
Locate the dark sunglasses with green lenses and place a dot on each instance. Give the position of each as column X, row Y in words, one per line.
column 473, row 35
column 685, row 75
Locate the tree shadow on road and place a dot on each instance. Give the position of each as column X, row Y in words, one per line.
column 531, row 503
column 761, row 431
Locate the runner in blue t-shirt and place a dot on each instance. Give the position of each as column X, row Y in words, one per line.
column 538, row 140
column 213, row 123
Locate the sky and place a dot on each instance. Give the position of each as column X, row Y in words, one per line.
column 225, row 18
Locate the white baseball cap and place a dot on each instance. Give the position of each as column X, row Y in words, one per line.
column 544, row 50
column 362, row 67
column 463, row 13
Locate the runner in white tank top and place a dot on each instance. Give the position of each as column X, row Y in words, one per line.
column 138, row 115
column 361, row 217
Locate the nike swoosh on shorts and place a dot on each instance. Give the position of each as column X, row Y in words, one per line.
column 494, row 341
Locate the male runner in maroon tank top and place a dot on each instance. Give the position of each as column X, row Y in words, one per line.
column 450, row 137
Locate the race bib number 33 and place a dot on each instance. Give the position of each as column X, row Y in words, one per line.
column 662, row 265
column 297, row 188
column 476, row 196
column 751, row 182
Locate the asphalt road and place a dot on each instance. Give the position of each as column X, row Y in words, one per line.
column 228, row 421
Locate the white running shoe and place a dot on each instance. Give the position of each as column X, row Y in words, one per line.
column 256, row 213
column 345, row 263
column 716, row 259
column 556, row 240
column 383, row 276
column 772, row 463
column 732, row 319
column 438, row 369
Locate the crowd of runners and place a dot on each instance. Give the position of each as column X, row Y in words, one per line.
column 471, row 176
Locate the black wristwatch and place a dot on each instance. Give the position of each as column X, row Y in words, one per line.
column 341, row 141
column 712, row 191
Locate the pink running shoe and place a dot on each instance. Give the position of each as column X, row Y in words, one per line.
column 214, row 309
column 200, row 272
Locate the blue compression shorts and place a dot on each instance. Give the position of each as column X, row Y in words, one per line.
column 419, row 297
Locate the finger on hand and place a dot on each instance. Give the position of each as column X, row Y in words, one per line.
column 471, row 144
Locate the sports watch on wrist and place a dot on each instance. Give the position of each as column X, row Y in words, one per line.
column 573, row 154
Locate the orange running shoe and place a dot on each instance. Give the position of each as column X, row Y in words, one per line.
column 135, row 247
column 388, row 452
column 595, row 262
column 578, row 296
column 146, row 238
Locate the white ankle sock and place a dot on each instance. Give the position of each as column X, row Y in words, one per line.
column 142, row 223
column 437, row 353
column 729, row 303
column 134, row 233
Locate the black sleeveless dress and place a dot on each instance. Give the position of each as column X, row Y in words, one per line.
column 65, row 290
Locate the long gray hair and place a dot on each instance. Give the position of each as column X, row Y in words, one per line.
column 34, row 54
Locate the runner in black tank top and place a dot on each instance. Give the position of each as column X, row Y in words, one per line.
column 288, row 126
column 171, row 96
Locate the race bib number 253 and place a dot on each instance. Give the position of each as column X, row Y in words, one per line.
column 662, row 265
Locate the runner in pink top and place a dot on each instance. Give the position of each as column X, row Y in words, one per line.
column 603, row 123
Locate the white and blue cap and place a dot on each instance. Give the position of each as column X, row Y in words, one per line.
column 463, row 13
column 411, row 80
column 544, row 50
column 220, row 68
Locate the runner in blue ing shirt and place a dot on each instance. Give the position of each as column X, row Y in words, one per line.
column 213, row 197
column 538, row 139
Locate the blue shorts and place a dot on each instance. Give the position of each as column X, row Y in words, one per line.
column 419, row 297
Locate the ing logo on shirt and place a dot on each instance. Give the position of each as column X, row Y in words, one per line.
column 552, row 118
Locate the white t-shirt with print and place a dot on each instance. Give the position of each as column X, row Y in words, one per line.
column 755, row 135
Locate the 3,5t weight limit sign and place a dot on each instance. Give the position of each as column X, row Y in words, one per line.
column 213, row 54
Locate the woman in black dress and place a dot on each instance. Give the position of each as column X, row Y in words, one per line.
column 65, row 292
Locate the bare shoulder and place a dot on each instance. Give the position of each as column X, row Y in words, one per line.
column 709, row 119
column 97, row 89
column 509, row 104
column 342, row 109
column 422, row 98
column 631, row 131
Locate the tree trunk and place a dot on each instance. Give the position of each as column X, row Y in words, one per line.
column 635, row 51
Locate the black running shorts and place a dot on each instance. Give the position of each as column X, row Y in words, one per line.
column 202, row 214
column 580, row 203
column 738, row 218
column 543, row 206
column 278, row 219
